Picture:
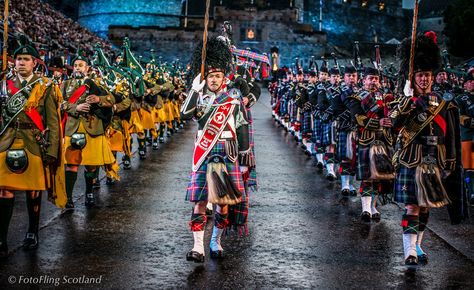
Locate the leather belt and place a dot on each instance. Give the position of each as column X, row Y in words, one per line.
column 21, row 125
column 429, row 140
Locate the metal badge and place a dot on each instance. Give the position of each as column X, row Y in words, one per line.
column 78, row 141
column 235, row 93
column 422, row 117
column 17, row 160
column 448, row 96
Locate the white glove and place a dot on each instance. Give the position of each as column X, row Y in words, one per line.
column 407, row 90
column 198, row 85
column 244, row 169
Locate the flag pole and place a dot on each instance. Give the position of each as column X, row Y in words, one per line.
column 413, row 41
column 204, row 39
column 5, row 40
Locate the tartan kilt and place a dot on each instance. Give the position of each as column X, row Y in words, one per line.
column 326, row 134
column 317, row 128
column 294, row 112
column 341, row 145
column 306, row 128
column 238, row 213
column 405, row 185
column 363, row 162
column 252, row 180
column 197, row 186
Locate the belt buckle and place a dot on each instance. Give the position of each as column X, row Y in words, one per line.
column 432, row 140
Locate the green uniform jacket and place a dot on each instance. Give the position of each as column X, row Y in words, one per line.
column 92, row 124
column 47, row 108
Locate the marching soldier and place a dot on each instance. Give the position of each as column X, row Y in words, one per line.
column 370, row 108
column 222, row 150
column 465, row 102
column 88, row 112
column 30, row 144
column 346, row 135
column 319, row 149
column 427, row 156
column 326, row 114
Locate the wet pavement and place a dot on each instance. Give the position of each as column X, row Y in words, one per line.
column 301, row 234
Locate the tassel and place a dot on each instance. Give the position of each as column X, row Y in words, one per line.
column 231, row 186
column 430, row 189
column 381, row 167
column 231, row 150
column 219, row 186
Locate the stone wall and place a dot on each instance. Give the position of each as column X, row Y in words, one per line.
column 98, row 15
column 269, row 28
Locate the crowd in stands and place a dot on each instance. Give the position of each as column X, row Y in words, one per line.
column 50, row 29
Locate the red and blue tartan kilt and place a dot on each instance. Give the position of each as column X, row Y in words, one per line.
column 363, row 163
column 405, row 185
column 326, row 134
column 306, row 128
column 252, row 180
column 197, row 186
column 238, row 216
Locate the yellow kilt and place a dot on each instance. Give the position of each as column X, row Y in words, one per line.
column 147, row 119
column 169, row 111
column 120, row 140
column 160, row 115
column 96, row 152
column 177, row 114
column 32, row 179
column 115, row 140
column 135, row 123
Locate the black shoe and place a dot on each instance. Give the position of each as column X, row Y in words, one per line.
column 330, row 177
column 209, row 212
column 320, row 165
column 96, row 183
column 365, row 216
column 195, row 256
column 155, row 145
column 142, row 154
column 217, row 254
column 423, row 259
column 127, row 164
column 90, row 200
column 110, row 181
column 162, row 140
column 411, row 261
column 376, row 216
column 31, row 241
column 353, row 192
column 345, row 192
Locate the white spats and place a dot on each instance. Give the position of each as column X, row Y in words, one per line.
column 198, row 242
column 330, row 169
column 366, row 201
column 409, row 245
column 345, row 181
column 216, row 239
column 320, row 158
